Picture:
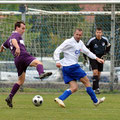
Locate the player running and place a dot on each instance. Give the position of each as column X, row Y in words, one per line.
column 72, row 70
column 22, row 59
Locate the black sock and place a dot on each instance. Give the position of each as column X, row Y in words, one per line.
column 95, row 82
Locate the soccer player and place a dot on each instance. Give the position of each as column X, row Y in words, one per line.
column 99, row 45
column 22, row 59
column 71, row 69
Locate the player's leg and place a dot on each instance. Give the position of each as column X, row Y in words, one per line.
column 95, row 80
column 90, row 91
column 73, row 88
column 39, row 67
column 97, row 90
column 94, row 65
column 100, row 68
column 15, row 88
column 68, row 80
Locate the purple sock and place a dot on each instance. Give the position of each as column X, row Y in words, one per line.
column 14, row 90
column 39, row 68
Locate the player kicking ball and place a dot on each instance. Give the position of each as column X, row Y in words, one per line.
column 71, row 69
column 22, row 59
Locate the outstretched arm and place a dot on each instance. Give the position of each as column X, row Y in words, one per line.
column 87, row 52
column 1, row 48
column 100, row 60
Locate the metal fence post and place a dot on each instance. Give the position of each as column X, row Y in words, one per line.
column 112, row 72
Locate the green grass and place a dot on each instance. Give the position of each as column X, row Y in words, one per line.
column 78, row 107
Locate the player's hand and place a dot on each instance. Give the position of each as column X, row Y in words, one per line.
column 85, row 62
column 17, row 52
column 104, row 57
column 58, row 65
column 100, row 60
column 2, row 50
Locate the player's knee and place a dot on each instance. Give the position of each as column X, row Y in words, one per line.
column 37, row 62
column 20, row 82
column 74, row 89
column 95, row 74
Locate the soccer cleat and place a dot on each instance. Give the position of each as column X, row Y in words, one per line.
column 60, row 102
column 9, row 101
column 45, row 74
column 101, row 100
column 97, row 91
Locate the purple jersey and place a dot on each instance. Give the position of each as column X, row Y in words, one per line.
column 20, row 41
column 24, row 59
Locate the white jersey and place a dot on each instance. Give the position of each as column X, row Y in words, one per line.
column 71, row 49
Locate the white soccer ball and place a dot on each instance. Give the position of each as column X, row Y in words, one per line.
column 37, row 100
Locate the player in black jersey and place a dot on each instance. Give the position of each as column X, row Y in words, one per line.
column 100, row 46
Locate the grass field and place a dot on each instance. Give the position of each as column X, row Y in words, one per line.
column 78, row 107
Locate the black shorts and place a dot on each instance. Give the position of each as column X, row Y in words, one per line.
column 96, row 65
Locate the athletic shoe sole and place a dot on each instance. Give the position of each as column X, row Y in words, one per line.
column 60, row 102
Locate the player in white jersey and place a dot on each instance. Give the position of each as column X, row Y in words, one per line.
column 71, row 69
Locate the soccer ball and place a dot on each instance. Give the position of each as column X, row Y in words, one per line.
column 37, row 100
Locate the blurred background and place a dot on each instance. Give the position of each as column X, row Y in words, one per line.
column 47, row 26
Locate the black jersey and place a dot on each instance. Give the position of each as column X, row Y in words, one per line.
column 98, row 47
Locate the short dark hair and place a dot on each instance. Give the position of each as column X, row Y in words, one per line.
column 18, row 24
column 99, row 29
column 79, row 29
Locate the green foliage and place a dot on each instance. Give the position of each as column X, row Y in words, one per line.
column 6, row 28
column 9, row 7
column 103, row 21
column 56, row 7
column 57, row 25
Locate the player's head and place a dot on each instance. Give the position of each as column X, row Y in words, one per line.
column 20, row 27
column 98, row 33
column 78, row 34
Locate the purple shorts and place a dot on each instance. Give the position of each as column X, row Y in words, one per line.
column 22, row 62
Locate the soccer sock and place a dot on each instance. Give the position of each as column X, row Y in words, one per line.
column 95, row 82
column 92, row 94
column 98, row 83
column 14, row 90
column 40, row 68
column 66, row 94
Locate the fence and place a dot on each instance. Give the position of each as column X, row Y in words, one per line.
column 49, row 23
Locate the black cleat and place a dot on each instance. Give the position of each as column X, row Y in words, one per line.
column 97, row 91
column 45, row 74
column 9, row 101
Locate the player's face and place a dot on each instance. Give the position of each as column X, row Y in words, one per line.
column 98, row 34
column 77, row 35
column 21, row 29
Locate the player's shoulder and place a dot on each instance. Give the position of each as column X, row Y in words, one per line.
column 105, row 38
column 15, row 35
column 91, row 40
column 81, row 42
column 69, row 40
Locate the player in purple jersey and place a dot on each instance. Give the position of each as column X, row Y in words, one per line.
column 22, row 59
